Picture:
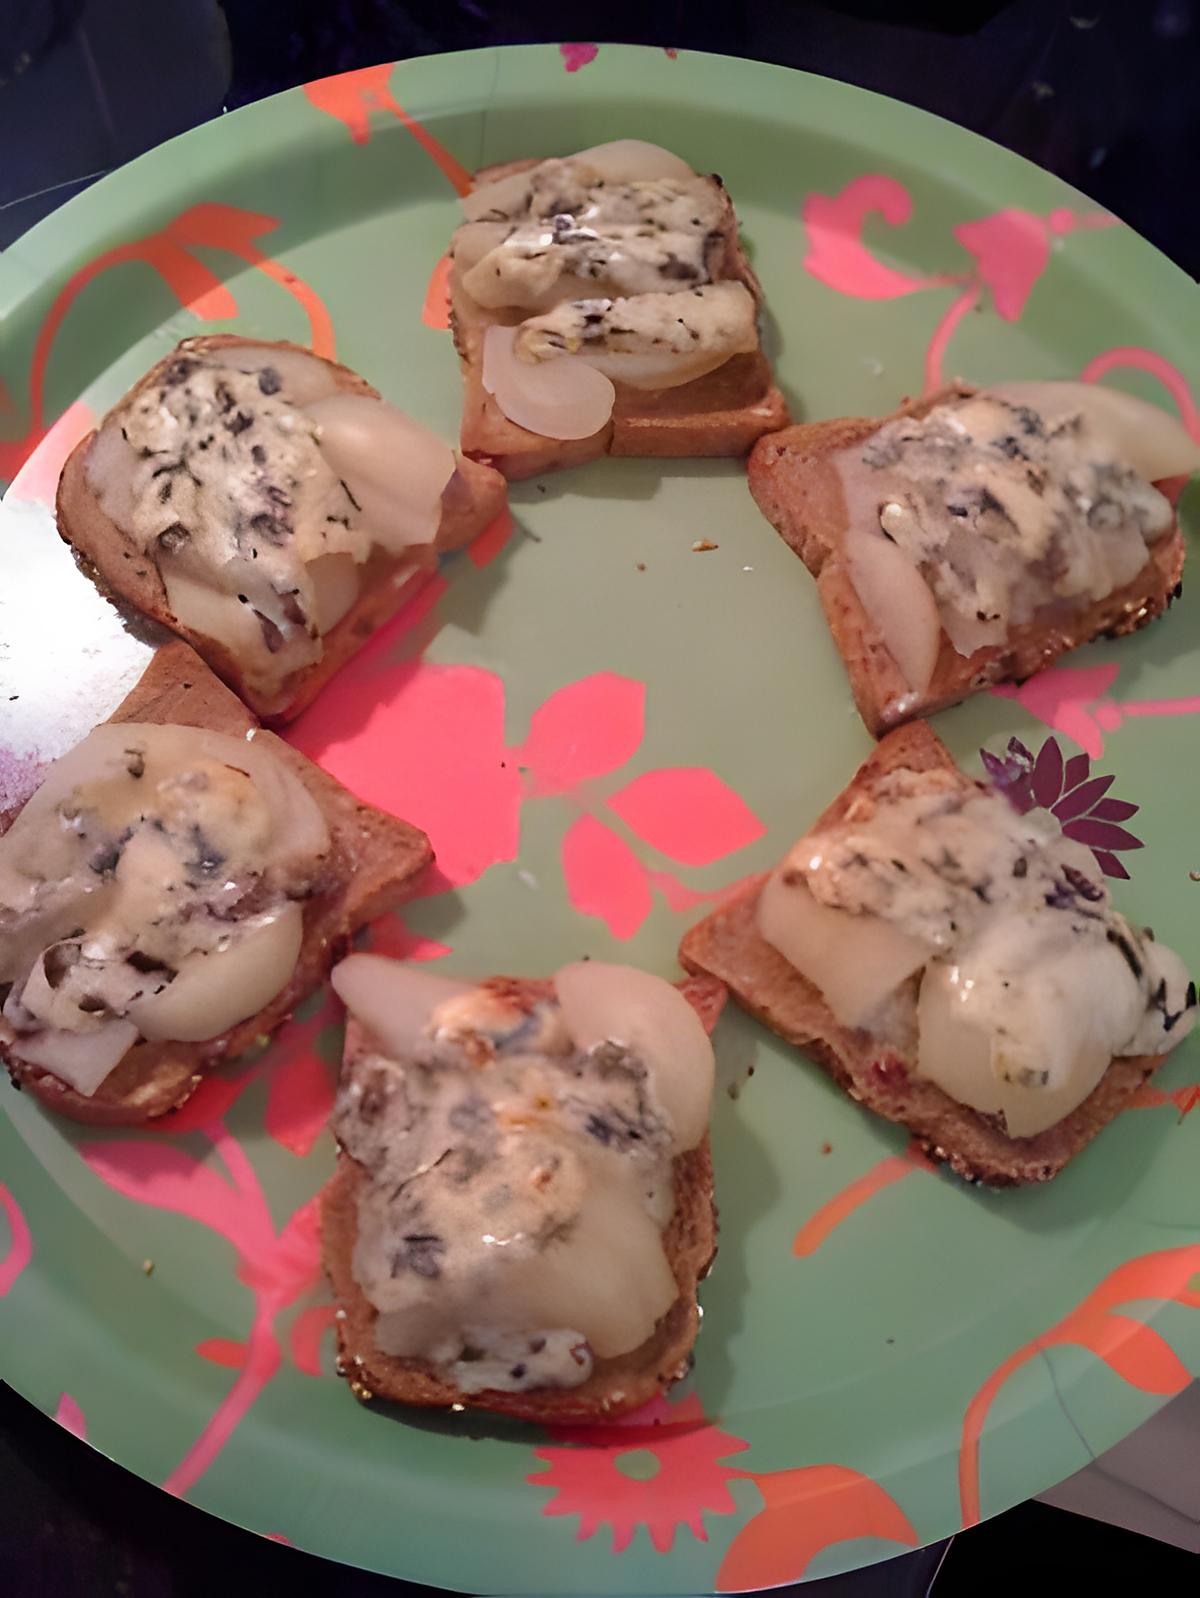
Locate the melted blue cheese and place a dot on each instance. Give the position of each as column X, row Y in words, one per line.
column 151, row 886
column 259, row 487
column 617, row 270
column 223, row 481
column 511, row 1229
column 716, row 321
column 1006, row 515
column 1026, row 980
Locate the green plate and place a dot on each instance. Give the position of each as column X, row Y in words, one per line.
column 602, row 728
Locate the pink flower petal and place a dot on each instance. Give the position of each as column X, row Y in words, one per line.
column 688, row 814
column 1048, row 773
column 578, row 55
column 70, row 1417
column 585, row 730
column 38, row 478
column 837, row 255
column 307, row 1334
column 167, row 1178
column 604, row 877
column 217, row 1094
column 20, row 1246
column 223, row 1351
column 300, row 1095
column 491, row 540
column 425, row 742
column 1011, row 250
column 1077, row 801
column 392, row 936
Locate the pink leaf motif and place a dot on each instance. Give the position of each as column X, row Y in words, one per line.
column 1065, row 699
column 1143, row 360
column 70, row 1417
column 300, row 1096
column 1134, row 1351
column 168, row 1179
column 1011, row 250
column 578, row 55
column 293, row 1263
column 392, row 936
column 225, row 1351
column 425, row 742
column 217, row 1093
column 20, row 1247
column 604, row 877
column 308, row 1332
column 583, row 731
column 688, row 814
column 836, row 252
column 37, row 481
column 491, row 540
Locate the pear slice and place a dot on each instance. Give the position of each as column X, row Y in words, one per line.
column 854, row 961
column 1149, row 439
column 616, row 1003
column 393, row 1001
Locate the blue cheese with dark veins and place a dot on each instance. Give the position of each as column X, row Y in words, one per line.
column 635, row 238
column 981, row 944
column 653, row 340
column 520, row 1170
column 151, row 887
column 241, row 472
column 617, row 258
column 1007, row 515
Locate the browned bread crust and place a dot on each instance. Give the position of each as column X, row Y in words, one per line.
column 722, row 413
column 615, row 1385
column 727, row 944
column 798, row 490
column 124, row 573
column 374, row 864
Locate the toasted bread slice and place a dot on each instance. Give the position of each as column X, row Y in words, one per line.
column 375, row 862
column 615, row 1385
column 722, row 413
column 124, row 573
column 727, row 944
column 799, row 492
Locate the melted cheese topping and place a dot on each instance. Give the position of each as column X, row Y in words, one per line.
column 242, row 474
column 981, row 944
column 1006, row 515
column 510, row 1232
column 622, row 270
column 151, row 885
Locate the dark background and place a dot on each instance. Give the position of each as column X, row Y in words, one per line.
column 1106, row 95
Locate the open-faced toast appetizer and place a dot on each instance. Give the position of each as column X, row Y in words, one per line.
column 955, row 966
column 974, row 536
column 602, row 305
column 176, row 885
column 523, row 1203
column 269, row 507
